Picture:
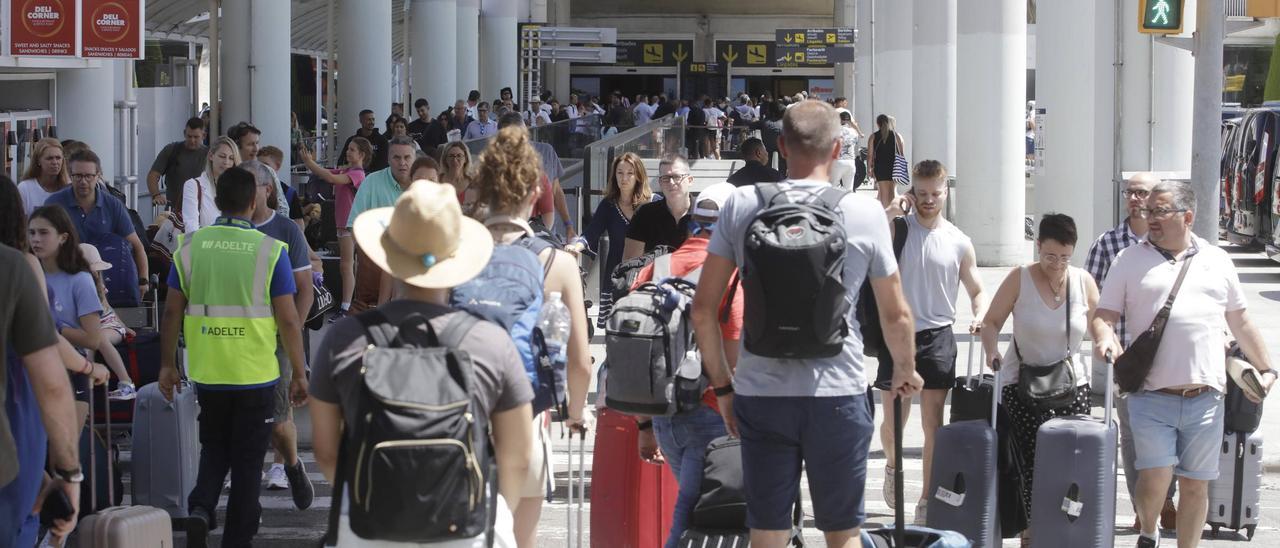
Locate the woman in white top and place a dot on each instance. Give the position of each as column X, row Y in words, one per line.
column 1042, row 297
column 198, row 208
column 46, row 174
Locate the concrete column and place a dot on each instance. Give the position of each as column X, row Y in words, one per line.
column 558, row 74
column 364, row 62
column 468, row 46
column 991, row 84
column 845, row 12
column 933, row 67
column 1206, row 122
column 499, row 47
column 1075, row 84
column 1156, row 82
column 883, row 86
column 85, row 110
column 256, row 68
column 864, row 106
column 434, row 46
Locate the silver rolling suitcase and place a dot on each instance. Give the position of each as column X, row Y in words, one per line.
column 166, row 448
column 962, row 489
column 1073, row 502
column 1234, row 496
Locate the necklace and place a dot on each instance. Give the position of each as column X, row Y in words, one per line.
column 1057, row 291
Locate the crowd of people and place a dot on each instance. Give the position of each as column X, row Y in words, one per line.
column 417, row 218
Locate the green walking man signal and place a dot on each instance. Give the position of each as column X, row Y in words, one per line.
column 1160, row 16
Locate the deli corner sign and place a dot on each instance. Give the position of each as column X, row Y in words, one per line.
column 107, row 29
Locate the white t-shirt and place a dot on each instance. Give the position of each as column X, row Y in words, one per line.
column 198, row 203
column 1190, row 351
column 33, row 195
column 930, row 270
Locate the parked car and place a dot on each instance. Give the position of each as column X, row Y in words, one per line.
column 1248, row 204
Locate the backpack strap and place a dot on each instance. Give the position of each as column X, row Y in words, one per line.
column 374, row 323
column 831, row 196
column 733, row 291
column 537, row 245
column 767, row 192
column 900, row 228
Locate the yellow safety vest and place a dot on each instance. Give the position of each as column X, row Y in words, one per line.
column 230, row 330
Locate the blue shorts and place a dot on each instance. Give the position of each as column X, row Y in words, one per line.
column 829, row 436
column 1171, row 430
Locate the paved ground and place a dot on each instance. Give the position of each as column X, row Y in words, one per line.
column 283, row 526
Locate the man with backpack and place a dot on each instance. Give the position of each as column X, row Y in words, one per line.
column 936, row 258
column 443, row 362
column 683, row 437
column 800, row 381
column 177, row 162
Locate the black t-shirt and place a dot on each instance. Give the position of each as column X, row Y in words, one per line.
column 754, row 172
column 177, row 164
column 654, row 225
column 379, row 160
column 663, row 110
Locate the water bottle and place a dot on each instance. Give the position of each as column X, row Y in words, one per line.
column 554, row 322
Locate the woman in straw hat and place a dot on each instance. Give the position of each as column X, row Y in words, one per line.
column 508, row 182
column 428, row 247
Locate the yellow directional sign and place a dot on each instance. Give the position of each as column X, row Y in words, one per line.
column 679, row 54
column 757, row 54
column 730, row 56
column 799, row 56
column 653, row 54
column 831, row 37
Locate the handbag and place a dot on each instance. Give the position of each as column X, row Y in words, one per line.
column 1133, row 366
column 901, row 170
column 1051, row 386
column 321, row 306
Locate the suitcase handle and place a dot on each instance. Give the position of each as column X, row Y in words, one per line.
column 93, row 451
column 1110, row 396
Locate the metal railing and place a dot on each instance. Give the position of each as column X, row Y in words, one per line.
column 569, row 137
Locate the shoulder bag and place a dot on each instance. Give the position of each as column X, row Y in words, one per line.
column 1051, row 386
column 1133, row 366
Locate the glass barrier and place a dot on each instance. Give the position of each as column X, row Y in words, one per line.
column 569, row 137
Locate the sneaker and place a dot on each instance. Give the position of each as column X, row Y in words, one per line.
column 125, row 391
column 198, row 525
column 276, row 479
column 1169, row 516
column 888, row 490
column 922, row 512
column 303, row 492
column 1145, row 541
column 337, row 315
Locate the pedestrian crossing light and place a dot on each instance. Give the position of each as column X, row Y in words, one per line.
column 1160, row 16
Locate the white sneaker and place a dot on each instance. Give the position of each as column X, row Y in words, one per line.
column 887, row 488
column 123, row 392
column 922, row 511
column 276, row 478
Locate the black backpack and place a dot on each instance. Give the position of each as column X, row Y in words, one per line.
column 793, row 275
column 417, row 462
column 722, row 503
column 868, row 312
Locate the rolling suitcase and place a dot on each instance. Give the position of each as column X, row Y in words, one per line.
column 166, row 449
column 901, row 535
column 963, row 486
column 1073, row 501
column 1234, row 496
column 631, row 500
column 972, row 394
column 119, row 526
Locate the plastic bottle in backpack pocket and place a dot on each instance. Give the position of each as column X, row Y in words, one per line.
column 554, row 323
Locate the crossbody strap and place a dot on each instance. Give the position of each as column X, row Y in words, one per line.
column 1177, row 284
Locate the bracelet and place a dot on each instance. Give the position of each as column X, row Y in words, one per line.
column 723, row 390
column 88, row 367
column 567, row 222
column 646, row 425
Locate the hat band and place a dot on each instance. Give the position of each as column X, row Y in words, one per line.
column 428, row 259
column 709, row 213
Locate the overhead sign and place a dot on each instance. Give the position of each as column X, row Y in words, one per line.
column 703, row 68
column 112, row 29
column 42, row 27
column 652, row 53
column 835, row 36
column 1160, row 16
column 765, row 54
column 745, row 53
column 811, row 56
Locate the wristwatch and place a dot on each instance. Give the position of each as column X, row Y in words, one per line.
column 723, row 390
column 1271, row 371
column 143, row 281
column 69, row 476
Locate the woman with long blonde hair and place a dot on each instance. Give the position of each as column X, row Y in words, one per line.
column 198, row 208
column 46, row 173
column 628, row 189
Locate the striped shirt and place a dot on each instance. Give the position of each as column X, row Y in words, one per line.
column 1103, row 252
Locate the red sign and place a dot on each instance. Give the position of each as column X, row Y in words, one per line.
column 42, row 27
column 111, row 29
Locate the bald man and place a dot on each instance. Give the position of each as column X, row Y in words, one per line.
column 1102, row 253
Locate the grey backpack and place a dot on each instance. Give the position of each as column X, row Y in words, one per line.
column 654, row 365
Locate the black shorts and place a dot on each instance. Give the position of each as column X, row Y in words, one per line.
column 80, row 386
column 935, row 360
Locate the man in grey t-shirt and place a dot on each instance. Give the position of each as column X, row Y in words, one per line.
column 177, row 162
column 810, row 411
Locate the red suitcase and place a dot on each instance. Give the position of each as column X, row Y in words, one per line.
column 631, row 500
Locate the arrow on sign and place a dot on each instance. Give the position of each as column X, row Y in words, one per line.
column 787, row 37
column 730, row 56
column 679, row 54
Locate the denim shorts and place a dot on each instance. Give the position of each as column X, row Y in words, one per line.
column 830, row 436
column 1171, row 430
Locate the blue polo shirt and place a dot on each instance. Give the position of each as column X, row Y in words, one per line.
column 108, row 215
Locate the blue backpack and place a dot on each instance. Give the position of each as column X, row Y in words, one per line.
column 508, row 292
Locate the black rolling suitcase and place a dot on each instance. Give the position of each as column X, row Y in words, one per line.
column 1073, row 501
column 972, row 394
column 901, row 535
column 963, row 485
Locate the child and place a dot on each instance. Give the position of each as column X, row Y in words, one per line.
column 113, row 330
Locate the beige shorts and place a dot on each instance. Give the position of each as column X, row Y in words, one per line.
column 535, row 483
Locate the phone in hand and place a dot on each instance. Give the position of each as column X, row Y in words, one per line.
column 56, row 507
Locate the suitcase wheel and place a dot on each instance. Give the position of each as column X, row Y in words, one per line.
column 1249, row 530
column 1215, row 531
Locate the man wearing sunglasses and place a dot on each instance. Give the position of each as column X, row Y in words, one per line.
column 1102, row 253
column 1176, row 417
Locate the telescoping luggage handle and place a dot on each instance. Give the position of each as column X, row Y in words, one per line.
column 581, row 493
column 93, row 453
column 942, row 493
